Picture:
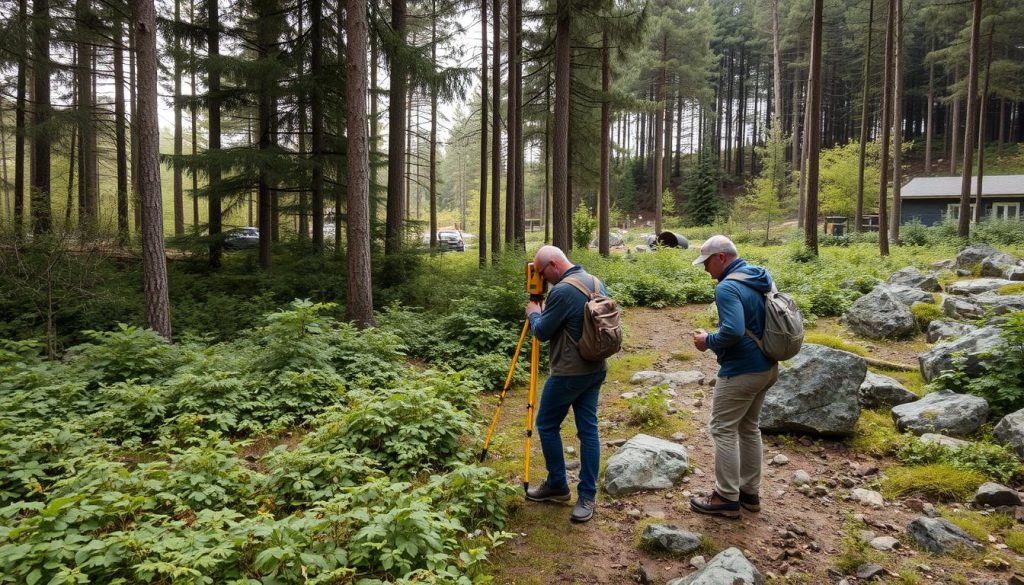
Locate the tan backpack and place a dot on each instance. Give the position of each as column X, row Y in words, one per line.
column 602, row 327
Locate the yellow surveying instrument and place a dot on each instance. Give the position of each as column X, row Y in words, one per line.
column 535, row 287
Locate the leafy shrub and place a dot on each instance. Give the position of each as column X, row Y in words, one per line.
column 648, row 409
column 995, row 462
column 925, row 313
column 583, row 225
column 1001, row 379
column 302, row 476
column 937, row 480
column 876, row 434
column 914, row 233
column 127, row 353
column 831, row 301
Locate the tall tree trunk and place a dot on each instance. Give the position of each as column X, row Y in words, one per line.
column 795, row 118
column 964, row 227
column 317, row 115
column 133, row 117
column 120, row 146
column 560, row 163
column 604, row 200
column 510, row 121
column 193, row 114
column 516, row 66
column 728, row 121
column 179, row 198
column 266, row 89
column 887, row 83
column 482, row 236
column 659, row 129
column 19, row 120
column 396, row 137
column 929, row 127
column 433, row 129
column 3, row 171
column 547, row 158
column 42, row 215
column 359, row 307
column 154, row 258
column 496, row 138
column 804, row 153
column 303, row 127
column 954, row 128
column 865, row 96
column 741, row 112
column 69, row 206
column 777, row 64
column 899, row 48
column 88, row 196
column 813, row 131
column 213, row 144
column 981, row 127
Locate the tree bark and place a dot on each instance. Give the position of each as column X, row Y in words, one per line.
column 193, row 114
column 510, row 121
column 741, row 113
column 396, row 138
column 266, row 90
column 604, row 200
column 560, row 163
column 154, row 258
column 929, row 127
column 179, row 198
column 516, row 67
column 813, row 131
column 964, row 227
column 213, row 145
column 659, row 129
column 482, row 236
column 883, row 185
column 120, row 147
column 19, row 120
column 496, row 139
column 87, row 188
column 360, row 292
column 42, row 215
column 954, row 128
column 317, row 119
column 899, row 49
column 981, row 127
column 433, row 127
column 858, row 221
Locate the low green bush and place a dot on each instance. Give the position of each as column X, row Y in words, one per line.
column 925, row 313
column 937, row 480
column 995, row 462
column 648, row 409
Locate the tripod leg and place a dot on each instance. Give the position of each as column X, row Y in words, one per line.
column 531, row 403
column 501, row 398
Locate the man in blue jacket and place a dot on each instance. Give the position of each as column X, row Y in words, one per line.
column 574, row 382
column 745, row 374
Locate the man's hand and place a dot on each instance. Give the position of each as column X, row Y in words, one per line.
column 700, row 340
column 532, row 307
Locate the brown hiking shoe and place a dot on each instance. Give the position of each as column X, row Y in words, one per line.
column 750, row 502
column 715, row 505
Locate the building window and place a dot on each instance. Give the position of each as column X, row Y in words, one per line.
column 1006, row 210
column 953, row 211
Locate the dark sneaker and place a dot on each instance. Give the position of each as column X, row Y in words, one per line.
column 750, row 502
column 583, row 510
column 546, row 493
column 715, row 505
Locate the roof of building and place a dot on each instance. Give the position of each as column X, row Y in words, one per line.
column 991, row 186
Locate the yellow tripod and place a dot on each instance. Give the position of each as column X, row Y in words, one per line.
column 535, row 286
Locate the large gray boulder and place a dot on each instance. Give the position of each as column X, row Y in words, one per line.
column 943, row 412
column 645, row 463
column 995, row 495
column 961, row 308
column 670, row 538
column 729, row 567
column 976, row 286
column 880, row 314
column 972, row 254
column 951, row 443
column 910, row 295
column 914, row 278
column 1015, row 273
column 673, row 379
column 1010, row 432
column 939, row 358
column 939, row 330
column 1000, row 265
column 877, row 390
column 940, row 536
column 817, row 393
column 998, row 304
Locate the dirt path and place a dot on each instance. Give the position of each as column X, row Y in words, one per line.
column 549, row 549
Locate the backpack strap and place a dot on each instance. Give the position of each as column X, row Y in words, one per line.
column 742, row 277
column 578, row 285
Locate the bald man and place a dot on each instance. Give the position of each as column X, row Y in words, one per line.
column 573, row 382
column 744, row 376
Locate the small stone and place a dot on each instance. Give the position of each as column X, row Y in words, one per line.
column 929, row 510
column 570, row 449
column 572, row 464
column 801, row 477
column 634, row 514
column 629, row 395
column 868, row 497
column 884, row 543
column 914, row 504
column 869, row 571
column 924, row 568
column 866, row 470
column 796, row 529
column 997, row 564
column 1015, row 579
column 616, row 442
column 698, row 562
column 794, row 553
column 678, row 437
column 847, row 482
column 780, row 459
column 815, row 547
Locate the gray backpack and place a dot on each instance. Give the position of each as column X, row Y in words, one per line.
column 783, row 324
column 602, row 328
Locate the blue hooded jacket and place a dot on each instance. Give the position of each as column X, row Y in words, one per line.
column 740, row 307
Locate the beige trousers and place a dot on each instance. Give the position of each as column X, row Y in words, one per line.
column 735, row 411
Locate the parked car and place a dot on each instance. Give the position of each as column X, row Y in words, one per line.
column 242, row 238
column 451, row 240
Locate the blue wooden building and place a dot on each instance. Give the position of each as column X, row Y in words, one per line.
column 930, row 199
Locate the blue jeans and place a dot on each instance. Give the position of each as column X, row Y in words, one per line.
column 581, row 393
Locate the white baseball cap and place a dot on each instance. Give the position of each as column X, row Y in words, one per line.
column 715, row 245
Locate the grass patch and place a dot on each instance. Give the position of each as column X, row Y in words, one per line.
column 854, row 550
column 625, row 364
column 938, row 480
column 876, row 434
column 912, row 381
column 1015, row 540
column 979, row 525
column 648, row 409
column 1016, row 288
column 684, row 356
column 925, row 313
column 835, row 342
